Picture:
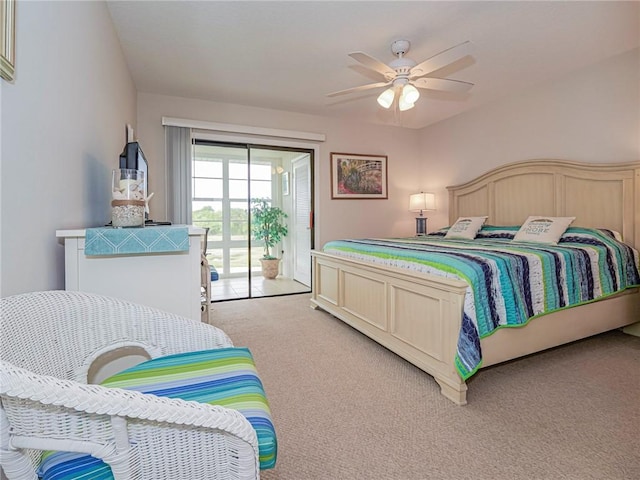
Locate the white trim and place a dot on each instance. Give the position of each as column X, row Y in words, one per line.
column 242, row 129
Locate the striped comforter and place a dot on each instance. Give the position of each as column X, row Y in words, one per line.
column 509, row 283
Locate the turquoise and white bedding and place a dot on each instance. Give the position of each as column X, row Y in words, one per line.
column 509, row 283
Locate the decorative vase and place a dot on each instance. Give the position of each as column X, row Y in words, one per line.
column 128, row 198
column 270, row 267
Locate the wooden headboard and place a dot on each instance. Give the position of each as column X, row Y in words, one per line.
column 598, row 195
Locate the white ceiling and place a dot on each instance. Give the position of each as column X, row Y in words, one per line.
column 289, row 55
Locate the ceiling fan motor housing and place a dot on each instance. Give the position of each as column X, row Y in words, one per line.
column 401, row 65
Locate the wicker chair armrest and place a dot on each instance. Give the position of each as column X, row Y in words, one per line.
column 97, row 400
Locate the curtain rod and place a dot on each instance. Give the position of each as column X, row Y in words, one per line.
column 231, row 128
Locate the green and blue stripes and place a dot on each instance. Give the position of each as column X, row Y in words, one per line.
column 223, row 376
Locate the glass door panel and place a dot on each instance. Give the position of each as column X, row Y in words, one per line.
column 220, row 203
column 271, row 180
column 226, row 178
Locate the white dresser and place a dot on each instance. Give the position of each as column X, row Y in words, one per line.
column 169, row 281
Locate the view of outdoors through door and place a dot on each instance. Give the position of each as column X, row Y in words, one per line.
column 227, row 180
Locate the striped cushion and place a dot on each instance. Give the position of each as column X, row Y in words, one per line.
column 224, row 376
column 73, row 466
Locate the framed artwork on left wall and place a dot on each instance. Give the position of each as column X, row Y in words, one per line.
column 356, row 176
column 7, row 39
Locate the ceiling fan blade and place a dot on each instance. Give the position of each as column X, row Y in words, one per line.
column 358, row 89
column 370, row 74
column 440, row 60
column 374, row 64
column 443, row 84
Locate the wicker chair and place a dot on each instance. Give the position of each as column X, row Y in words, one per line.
column 49, row 342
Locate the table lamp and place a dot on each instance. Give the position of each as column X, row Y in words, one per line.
column 419, row 202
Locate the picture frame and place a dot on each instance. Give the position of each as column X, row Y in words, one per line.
column 285, row 183
column 356, row 176
column 7, row 39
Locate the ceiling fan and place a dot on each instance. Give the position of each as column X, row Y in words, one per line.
column 403, row 75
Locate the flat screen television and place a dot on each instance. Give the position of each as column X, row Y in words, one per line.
column 133, row 158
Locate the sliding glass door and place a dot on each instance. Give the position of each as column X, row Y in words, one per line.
column 226, row 177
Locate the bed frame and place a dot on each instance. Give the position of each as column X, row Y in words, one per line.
column 417, row 316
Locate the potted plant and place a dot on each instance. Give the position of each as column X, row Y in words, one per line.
column 267, row 225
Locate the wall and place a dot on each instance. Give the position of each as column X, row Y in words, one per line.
column 334, row 218
column 62, row 128
column 63, row 124
column 592, row 115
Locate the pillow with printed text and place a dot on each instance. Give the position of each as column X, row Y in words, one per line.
column 466, row 227
column 543, row 229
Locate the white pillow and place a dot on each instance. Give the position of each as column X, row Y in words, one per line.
column 543, row 229
column 466, row 227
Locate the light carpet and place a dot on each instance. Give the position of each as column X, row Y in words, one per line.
column 346, row 408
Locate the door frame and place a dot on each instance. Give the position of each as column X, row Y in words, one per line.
column 253, row 141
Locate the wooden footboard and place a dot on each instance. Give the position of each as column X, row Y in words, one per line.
column 418, row 317
column 414, row 315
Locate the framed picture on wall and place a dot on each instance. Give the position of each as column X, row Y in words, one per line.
column 355, row 176
column 7, row 39
column 285, row 183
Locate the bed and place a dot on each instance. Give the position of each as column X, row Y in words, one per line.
column 418, row 316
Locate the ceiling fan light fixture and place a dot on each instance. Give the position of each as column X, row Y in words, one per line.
column 405, row 76
column 386, row 98
column 404, row 105
column 410, row 94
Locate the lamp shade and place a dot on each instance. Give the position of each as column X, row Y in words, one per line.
column 386, row 98
column 410, row 93
column 422, row 201
column 404, row 105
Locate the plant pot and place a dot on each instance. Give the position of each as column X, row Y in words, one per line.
column 270, row 267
